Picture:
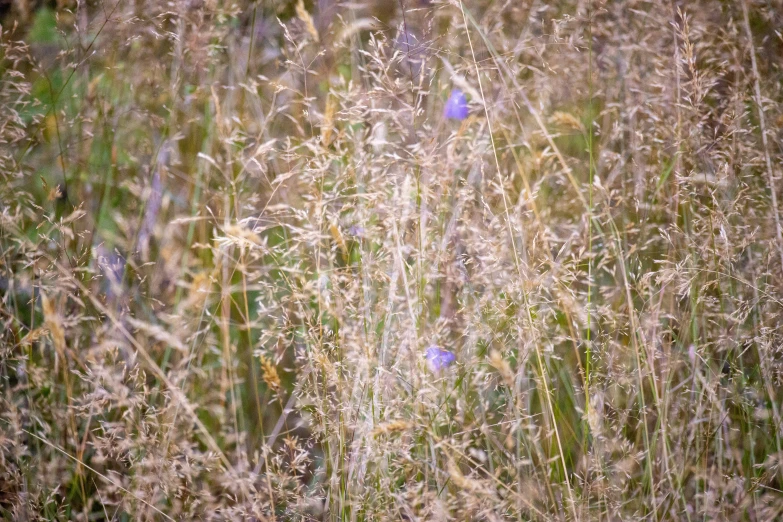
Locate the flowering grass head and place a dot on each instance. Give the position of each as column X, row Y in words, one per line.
column 245, row 241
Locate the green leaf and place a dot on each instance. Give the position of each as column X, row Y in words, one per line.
column 44, row 28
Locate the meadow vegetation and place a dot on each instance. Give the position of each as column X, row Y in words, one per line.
column 391, row 260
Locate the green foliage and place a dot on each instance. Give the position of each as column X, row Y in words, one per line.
column 43, row 29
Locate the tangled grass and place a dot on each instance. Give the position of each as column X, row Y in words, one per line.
column 251, row 270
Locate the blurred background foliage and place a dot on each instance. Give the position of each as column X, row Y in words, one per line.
column 232, row 230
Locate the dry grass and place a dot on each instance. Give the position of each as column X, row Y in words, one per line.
column 230, row 232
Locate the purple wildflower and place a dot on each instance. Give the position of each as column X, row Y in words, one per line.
column 439, row 359
column 415, row 51
column 356, row 231
column 456, row 106
column 112, row 268
column 150, row 216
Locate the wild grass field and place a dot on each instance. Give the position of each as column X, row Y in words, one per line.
column 391, row 260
